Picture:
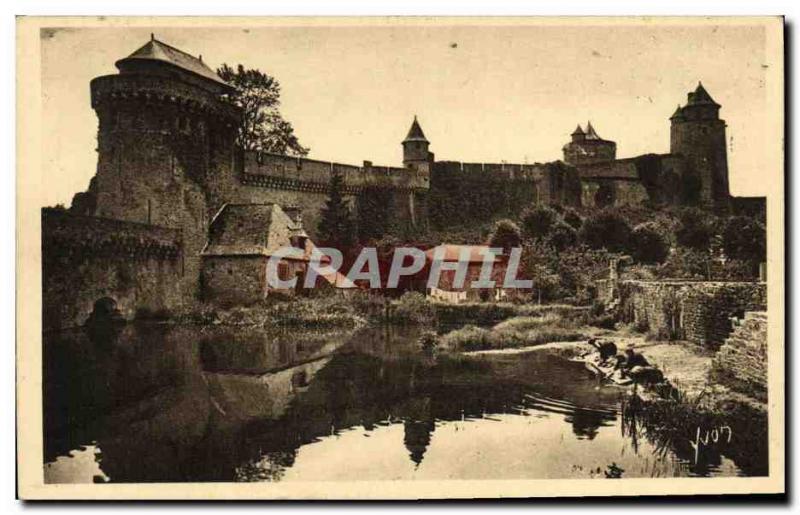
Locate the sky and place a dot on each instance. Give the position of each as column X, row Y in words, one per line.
column 488, row 93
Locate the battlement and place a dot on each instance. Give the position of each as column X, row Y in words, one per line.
column 96, row 237
column 507, row 171
column 303, row 174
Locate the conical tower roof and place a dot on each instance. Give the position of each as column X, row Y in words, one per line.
column 590, row 132
column 700, row 96
column 678, row 113
column 155, row 50
column 578, row 131
column 415, row 132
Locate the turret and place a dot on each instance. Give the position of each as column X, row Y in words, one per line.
column 698, row 134
column 578, row 134
column 588, row 148
column 415, row 148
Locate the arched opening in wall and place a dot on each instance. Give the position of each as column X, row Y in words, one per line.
column 605, row 195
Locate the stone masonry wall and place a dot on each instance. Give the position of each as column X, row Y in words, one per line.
column 85, row 258
column 741, row 363
column 463, row 193
column 301, row 182
column 700, row 312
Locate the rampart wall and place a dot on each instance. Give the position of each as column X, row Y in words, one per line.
column 479, row 192
column 86, row 258
column 301, row 182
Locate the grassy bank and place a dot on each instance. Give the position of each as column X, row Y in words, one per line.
column 416, row 308
column 515, row 332
column 311, row 313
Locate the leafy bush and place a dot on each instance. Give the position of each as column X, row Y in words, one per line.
column 695, row 230
column 506, row 235
column 685, row 263
column 538, row 221
column 414, row 307
column 745, row 239
column 572, row 218
column 562, row 236
column 607, row 230
column 647, row 245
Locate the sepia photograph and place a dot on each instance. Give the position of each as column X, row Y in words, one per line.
column 399, row 258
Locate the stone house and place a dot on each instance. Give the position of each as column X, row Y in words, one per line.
column 241, row 239
column 448, row 291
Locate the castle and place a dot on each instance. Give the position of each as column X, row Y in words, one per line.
column 167, row 161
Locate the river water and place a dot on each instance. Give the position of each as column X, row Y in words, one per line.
column 186, row 403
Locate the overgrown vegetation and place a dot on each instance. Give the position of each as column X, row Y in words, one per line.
column 311, row 313
column 516, row 332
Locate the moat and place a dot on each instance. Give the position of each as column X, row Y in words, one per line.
column 158, row 402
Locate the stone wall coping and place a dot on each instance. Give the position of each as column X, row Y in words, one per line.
column 689, row 282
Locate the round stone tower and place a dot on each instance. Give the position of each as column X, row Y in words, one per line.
column 165, row 144
column 698, row 134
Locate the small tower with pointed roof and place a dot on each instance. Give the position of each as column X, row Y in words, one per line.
column 587, row 147
column 698, row 134
column 416, row 154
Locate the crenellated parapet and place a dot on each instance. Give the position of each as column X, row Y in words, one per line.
column 66, row 235
column 309, row 175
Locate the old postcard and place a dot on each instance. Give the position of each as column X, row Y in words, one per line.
column 399, row 258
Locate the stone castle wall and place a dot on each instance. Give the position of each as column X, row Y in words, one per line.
column 653, row 178
column 86, row 258
column 301, row 182
column 700, row 312
column 465, row 192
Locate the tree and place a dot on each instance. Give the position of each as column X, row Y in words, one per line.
column 538, row 265
column 506, row 235
column 537, row 222
column 607, row 230
column 647, row 244
column 745, row 239
column 263, row 129
column 695, row 229
column 562, row 236
column 336, row 224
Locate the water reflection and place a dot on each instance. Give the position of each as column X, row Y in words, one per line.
column 171, row 403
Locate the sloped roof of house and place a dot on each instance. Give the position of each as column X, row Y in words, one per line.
column 250, row 230
column 453, row 253
column 155, row 50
